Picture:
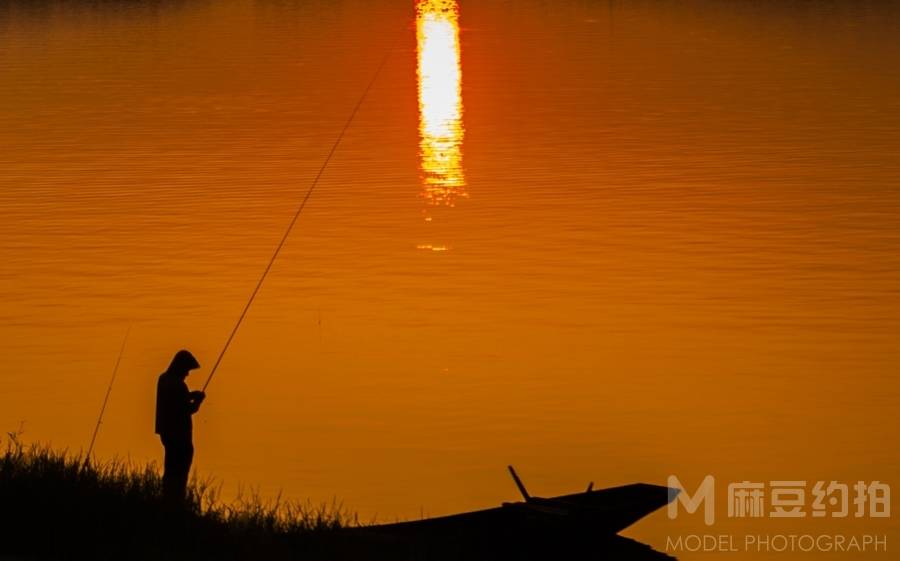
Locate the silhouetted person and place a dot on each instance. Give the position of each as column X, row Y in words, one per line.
column 174, row 406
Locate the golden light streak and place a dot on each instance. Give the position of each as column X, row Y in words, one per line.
column 440, row 102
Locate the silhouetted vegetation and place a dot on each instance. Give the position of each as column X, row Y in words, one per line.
column 54, row 505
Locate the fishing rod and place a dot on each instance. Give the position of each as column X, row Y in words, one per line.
column 296, row 216
column 112, row 380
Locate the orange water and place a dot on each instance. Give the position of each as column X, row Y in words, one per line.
column 605, row 241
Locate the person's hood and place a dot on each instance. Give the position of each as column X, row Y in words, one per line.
column 183, row 361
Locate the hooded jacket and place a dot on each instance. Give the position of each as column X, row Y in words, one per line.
column 174, row 405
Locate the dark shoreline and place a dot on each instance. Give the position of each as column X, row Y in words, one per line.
column 53, row 506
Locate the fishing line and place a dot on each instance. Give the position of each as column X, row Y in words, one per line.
column 296, row 216
column 112, row 380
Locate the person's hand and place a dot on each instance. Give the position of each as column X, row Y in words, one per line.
column 198, row 395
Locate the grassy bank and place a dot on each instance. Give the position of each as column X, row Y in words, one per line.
column 54, row 506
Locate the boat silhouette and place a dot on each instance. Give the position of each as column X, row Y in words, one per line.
column 581, row 525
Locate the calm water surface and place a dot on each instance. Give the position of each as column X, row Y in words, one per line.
column 605, row 241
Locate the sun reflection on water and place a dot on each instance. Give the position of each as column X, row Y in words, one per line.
column 440, row 102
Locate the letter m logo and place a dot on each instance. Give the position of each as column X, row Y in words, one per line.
column 705, row 495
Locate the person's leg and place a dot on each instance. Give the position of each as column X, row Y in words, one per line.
column 177, row 465
column 170, row 468
column 185, row 458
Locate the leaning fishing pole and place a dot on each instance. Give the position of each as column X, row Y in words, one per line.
column 293, row 221
column 112, row 380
